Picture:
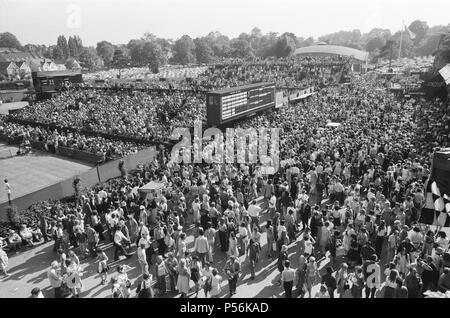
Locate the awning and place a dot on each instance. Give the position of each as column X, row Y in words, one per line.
column 332, row 125
column 152, row 186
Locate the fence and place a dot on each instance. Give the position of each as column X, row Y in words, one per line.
column 98, row 174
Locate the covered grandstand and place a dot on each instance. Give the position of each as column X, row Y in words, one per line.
column 325, row 49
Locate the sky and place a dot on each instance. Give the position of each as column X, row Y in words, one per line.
column 41, row 21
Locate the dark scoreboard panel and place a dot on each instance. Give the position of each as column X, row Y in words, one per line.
column 233, row 103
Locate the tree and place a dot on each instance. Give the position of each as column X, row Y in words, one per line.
column 406, row 45
column 308, row 42
column 374, row 43
column 89, row 59
column 443, row 52
column 71, row 64
column 255, row 38
column 284, row 46
column 9, row 40
column 344, row 38
column 120, row 58
column 419, row 28
column 37, row 50
column 267, row 45
column 184, row 50
column 428, row 46
column 57, row 53
column 203, row 51
column 61, row 42
column 106, row 51
column 137, row 55
column 154, row 55
column 220, row 44
column 75, row 46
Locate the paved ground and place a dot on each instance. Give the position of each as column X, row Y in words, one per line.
column 28, row 270
column 35, row 171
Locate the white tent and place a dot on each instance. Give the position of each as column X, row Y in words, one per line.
column 152, row 186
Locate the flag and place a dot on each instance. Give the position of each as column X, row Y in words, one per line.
column 411, row 34
column 436, row 210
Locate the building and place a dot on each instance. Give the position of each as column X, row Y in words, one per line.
column 24, row 70
column 9, row 70
column 49, row 83
column 34, row 61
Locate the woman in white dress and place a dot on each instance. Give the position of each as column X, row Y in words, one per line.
column 216, row 281
column 123, row 281
column 183, row 278
column 233, row 245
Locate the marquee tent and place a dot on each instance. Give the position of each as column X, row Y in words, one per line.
column 333, row 50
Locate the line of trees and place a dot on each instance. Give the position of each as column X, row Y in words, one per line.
column 153, row 52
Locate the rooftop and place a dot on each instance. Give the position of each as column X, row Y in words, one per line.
column 333, row 49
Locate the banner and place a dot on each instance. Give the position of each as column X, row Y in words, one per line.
column 436, row 210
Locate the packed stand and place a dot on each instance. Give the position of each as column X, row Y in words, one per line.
column 107, row 148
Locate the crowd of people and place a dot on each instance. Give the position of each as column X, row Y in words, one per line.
column 137, row 114
column 350, row 196
column 108, row 149
column 293, row 72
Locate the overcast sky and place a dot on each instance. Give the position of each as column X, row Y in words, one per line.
column 41, row 21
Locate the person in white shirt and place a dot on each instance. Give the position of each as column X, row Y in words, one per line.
column 102, row 194
column 8, row 191
column 253, row 212
column 119, row 239
column 272, row 204
column 201, row 246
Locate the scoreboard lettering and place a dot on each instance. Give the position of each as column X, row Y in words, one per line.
column 233, row 103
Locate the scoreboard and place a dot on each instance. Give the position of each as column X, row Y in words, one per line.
column 230, row 104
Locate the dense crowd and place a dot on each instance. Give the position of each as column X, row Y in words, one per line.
column 108, row 149
column 294, row 72
column 136, row 114
column 351, row 194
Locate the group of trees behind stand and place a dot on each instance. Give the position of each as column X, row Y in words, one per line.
column 153, row 52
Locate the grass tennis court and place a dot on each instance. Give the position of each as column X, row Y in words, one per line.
column 34, row 171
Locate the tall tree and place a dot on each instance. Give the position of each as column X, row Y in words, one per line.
column 57, row 53
column 374, row 43
column 220, row 44
column 106, row 51
column 203, row 51
column 120, row 58
column 137, row 53
column 8, row 39
column 184, row 50
column 75, row 46
column 62, row 44
column 89, row 59
column 284, row 46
